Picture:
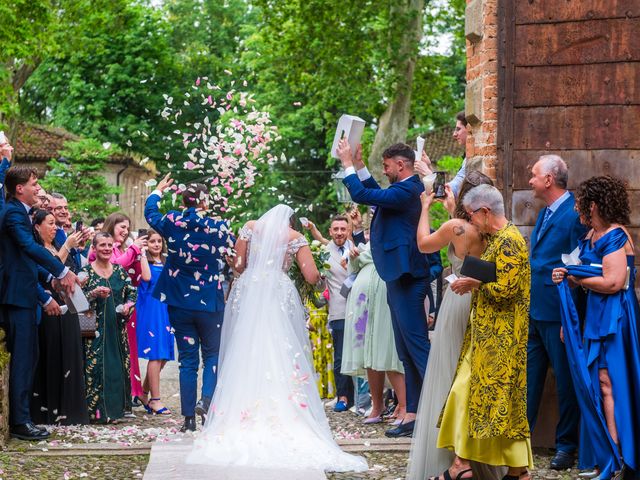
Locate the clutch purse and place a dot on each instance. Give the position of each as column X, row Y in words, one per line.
column 479, row 269
column 88, row 324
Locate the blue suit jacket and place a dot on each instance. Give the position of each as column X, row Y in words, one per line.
column 191, row 276
column 394, row 225
column 561, row 235
column 22, row 260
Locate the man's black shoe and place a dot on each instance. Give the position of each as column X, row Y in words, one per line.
column 189, row 424
column 562, row 461
column 202, row 408
column 28, row 431
column 402, row 430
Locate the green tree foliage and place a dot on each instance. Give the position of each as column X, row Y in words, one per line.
column 79, row 175
column 107, row 78
column 25, row 38
column 306, row 61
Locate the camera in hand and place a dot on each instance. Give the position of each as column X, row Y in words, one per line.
column 143, row 232
column 438, row 185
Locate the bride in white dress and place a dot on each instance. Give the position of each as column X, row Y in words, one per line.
column 462, row 238
column 266, row 419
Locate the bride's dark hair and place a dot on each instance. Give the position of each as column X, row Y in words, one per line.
column 293, row 222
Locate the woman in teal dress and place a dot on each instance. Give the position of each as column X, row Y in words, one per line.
column 112, row 297
column 368, row 336
column 605, row 356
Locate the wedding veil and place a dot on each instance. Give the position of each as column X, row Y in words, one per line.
column 266, row 413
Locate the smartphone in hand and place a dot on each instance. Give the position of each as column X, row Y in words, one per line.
column 79, row 226
column 438, row 185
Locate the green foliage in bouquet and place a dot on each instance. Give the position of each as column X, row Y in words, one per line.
column 320, row 255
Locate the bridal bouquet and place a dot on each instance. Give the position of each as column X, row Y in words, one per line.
column 320, row 255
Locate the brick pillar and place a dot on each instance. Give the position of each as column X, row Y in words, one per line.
column 481, row 98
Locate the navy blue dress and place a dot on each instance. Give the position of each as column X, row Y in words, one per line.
column 155, row 335
column 610, row 340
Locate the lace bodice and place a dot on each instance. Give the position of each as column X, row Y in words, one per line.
column 292, row 247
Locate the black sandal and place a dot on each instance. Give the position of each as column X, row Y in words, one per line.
column 447, row 475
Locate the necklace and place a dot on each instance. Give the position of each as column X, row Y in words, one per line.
column 104, row 272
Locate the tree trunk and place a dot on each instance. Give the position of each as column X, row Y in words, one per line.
column 394, row 122
column 18, row 77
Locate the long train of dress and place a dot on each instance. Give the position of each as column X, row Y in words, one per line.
column 266, row 413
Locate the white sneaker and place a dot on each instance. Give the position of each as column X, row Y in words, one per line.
column 332, row 403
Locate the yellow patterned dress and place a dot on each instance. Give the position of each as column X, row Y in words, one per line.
column 322, row 348
column 485, row 416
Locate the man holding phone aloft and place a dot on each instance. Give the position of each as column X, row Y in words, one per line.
column 396, row 257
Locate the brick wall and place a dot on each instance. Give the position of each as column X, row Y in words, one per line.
column 481, row 100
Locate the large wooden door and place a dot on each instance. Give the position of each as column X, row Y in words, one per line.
column 569, row 83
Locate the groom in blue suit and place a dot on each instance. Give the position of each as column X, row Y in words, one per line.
column 190, row 284
column 557, row 231
column 397, row 259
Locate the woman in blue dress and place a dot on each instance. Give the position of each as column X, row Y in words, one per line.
column 605, row 354
column 155, row 335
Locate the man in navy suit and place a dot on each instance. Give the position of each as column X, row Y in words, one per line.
column 190, row 285
column 22, row 263
column 397, row 259
column 557, row 231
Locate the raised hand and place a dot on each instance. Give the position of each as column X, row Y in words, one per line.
column 6, row 151
column 450, row 200
column 141, row 242
column 344, row 153
column 165, row 183
column 427, row 199
column 74, row 240
column 356, row 218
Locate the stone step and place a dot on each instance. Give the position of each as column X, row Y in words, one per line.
column 78, row 449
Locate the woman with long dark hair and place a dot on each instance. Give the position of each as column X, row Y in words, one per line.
column 155, row 335
column 58, row 389
column 605, row 355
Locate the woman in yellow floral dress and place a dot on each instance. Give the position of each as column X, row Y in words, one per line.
column 485, row 416
column 321, row 345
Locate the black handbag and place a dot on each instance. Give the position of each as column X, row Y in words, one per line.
column 479, row 269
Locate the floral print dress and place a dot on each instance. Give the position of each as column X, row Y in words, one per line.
column 107, row 361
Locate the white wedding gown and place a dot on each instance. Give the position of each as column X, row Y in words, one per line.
column 266, row 418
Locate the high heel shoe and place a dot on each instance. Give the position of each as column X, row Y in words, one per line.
column 139, row 402
column 153, row 411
